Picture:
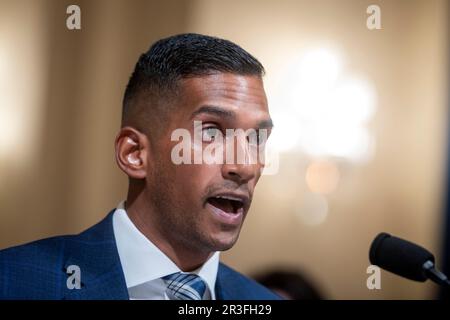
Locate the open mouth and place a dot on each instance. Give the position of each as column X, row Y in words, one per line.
column 226, row 204
column 228, row 209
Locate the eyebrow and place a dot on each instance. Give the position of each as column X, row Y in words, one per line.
column 221, row 112
column 265, row 124
column 218, row 111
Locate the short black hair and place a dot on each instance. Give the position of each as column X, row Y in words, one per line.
column 182, row 56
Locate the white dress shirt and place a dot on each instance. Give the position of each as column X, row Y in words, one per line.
column 144, row 264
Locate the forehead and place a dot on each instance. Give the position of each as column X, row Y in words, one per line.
column 243, row 95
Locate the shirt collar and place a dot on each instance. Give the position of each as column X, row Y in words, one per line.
column 143, row 261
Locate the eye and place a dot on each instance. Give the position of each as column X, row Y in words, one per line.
column 257, row 138
column 210, row 133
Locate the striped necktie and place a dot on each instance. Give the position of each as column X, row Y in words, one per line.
column 184, row 286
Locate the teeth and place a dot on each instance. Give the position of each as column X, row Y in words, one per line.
column 229, row 198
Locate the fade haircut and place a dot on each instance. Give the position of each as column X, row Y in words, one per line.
column 155, row 79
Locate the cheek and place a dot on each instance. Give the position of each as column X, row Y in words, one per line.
column 252, row 183
column 195, row 178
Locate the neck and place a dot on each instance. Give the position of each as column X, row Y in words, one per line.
column 143, row 216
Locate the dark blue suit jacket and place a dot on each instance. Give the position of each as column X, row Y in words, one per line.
column 38, row 270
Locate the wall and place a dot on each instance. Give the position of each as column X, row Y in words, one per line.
column 57, row 171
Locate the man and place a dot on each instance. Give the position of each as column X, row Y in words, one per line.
column 163, row 242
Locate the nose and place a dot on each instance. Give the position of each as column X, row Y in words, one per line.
column 240, row 173
column 241, row 167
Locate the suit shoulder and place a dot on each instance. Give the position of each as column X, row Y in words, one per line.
column 43, row 249
column 32, row 270
column 37, row 270
column 248, row 288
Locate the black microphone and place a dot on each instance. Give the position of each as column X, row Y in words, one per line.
column 405, row 259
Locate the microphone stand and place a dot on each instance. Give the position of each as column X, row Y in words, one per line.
column 435, row 275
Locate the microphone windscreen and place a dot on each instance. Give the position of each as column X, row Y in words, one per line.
column 399, row 256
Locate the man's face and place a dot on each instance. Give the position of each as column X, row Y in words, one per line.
column 203, row 205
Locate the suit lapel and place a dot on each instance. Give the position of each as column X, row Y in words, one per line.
column 224, row 287
column 95, row 253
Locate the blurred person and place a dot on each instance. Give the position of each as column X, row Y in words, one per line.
column 163, row 241
column 289, row 284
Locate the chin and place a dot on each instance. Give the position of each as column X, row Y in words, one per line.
column 224, row 242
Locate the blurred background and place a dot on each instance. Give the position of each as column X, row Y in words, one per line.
column 360, row 123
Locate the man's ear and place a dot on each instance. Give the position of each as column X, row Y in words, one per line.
column 132, row 148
